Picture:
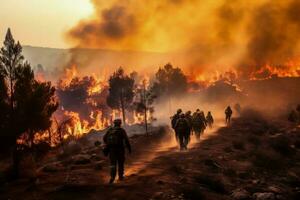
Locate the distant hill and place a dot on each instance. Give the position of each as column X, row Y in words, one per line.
column 94, row 60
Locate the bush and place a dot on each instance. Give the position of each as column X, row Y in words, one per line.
column 267, row 160
column 192, row 193
column 254, row 140
column 297, row 144
column 227, row 149
column 281, row 144
column 230, row 172
column 42, row 149
column 211, row 183
column 240, row 145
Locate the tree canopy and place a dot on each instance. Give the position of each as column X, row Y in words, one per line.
column 26, row 104
column 121, row 91
column 169, row 81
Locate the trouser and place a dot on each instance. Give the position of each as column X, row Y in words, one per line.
column 228, row 118
column 117, row 159
column 198, row 131
column 177, row 136
column 183, row 140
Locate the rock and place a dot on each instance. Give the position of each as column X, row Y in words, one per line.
column 264, row 196
column 279, row 197
column 95, row 157
column 275, row 189
column 240, row 194
column 81, row 159
column 244, row 175
column 212, row 164
column 99, row 165
column 52, row 167
column 72, row 148
column 157, row 195
column 255, row 181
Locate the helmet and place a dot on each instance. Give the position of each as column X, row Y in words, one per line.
column 188, row 112
column 179, row 111
column 198, row 110
column 117, row 122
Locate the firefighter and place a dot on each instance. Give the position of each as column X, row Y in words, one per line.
column 182, row 129
column 189, row 118
column 116, row 140
column 174, row 119
column 204, row 122
column 198, row 124
column 209, row 119
column 228, row 114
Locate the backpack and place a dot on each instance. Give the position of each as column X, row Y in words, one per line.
column 113, row 137
column 174, row 120
column 182, row 124
column 197, row 121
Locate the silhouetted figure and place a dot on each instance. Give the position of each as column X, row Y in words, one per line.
column 189, row 118
column 199, row 123
column 115, row 140
column 293, row 116
column 209, row 119
column 174, row 119
column 182, row 129
column 228, row 113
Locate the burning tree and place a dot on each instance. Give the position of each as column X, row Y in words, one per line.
column 26, row 104
column 169, row 81
column 121, row 91
column 145, row 99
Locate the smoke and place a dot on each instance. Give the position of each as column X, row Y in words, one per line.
column 200, row 35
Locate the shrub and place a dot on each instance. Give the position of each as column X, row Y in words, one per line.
column 254, row 140
column 240, row 145
column 267, row 160
column 281, row 144
column 192, row 193
column 211, row 183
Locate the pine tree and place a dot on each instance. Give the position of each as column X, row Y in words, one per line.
column 121, row 93
column 27, row 104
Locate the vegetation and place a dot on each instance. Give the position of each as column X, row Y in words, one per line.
column 121, row 91
column 169, row 81
column 26, row 104
column 145, row 99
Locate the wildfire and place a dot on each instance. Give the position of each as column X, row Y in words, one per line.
column 78, row 127
column 69, row 73
column 291, row 69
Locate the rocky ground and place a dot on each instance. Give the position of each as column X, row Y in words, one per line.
column 253, row 158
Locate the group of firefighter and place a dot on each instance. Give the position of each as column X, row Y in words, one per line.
column 116, row 139
column 187, row 124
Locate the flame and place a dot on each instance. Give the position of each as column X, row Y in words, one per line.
column 78, row 127
column 290, row 69
column 69, row 74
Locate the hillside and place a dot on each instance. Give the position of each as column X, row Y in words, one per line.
column 254, row 158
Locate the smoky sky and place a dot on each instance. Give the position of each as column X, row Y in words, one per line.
column 209, row 35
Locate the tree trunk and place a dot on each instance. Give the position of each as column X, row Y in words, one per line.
column 145, row 108
column 123, row 107
column 123, row 112
column 15, row 161
column 50, row 138
column 146, row 121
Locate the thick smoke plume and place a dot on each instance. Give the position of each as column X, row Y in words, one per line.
column 201, row 35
